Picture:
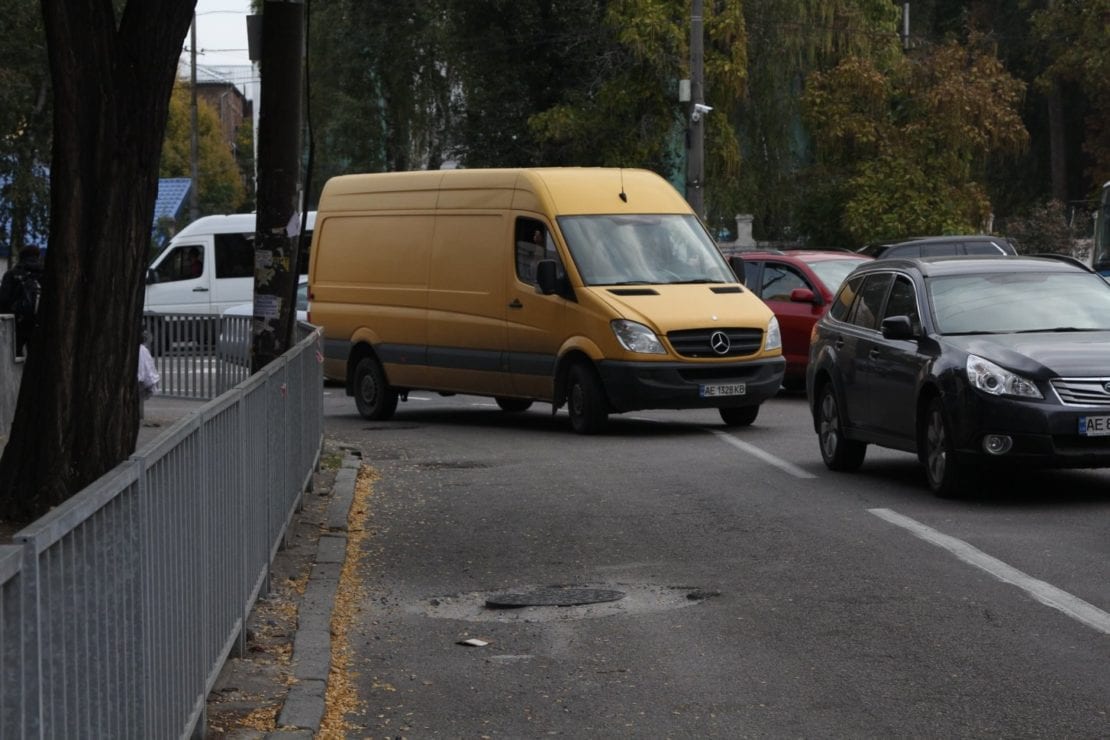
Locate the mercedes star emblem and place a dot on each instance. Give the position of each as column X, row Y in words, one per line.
column 718, row 340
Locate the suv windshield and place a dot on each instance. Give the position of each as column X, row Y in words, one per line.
column 1020, row 302
column 649, row 248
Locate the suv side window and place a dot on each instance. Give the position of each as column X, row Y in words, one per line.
column 983, row 248
column 779, row 280
column 903, row 302
column 939, row 249
column 842, row 304
column 751, row 274
column 866, row 311
column 906, row 250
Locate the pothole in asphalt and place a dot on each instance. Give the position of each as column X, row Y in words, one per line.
column 561, row 603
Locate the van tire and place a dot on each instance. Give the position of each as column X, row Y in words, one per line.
column 586, row 402
column 374, row 397
column 513, row 405
column 738, row 416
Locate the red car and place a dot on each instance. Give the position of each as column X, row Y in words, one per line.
column 798, row 286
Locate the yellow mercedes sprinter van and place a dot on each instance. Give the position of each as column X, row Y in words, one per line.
column 591, row 287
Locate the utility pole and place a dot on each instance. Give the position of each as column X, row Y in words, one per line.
column 194, row 146
column 695, row 160
column 279, row 201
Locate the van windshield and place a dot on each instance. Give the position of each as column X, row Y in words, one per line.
column 643, row 249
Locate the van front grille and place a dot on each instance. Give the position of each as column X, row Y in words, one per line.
column 709, row 342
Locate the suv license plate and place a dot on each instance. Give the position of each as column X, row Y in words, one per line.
column 1094, row 426
column 714, row 390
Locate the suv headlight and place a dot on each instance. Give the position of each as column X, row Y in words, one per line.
column 990, row 378
column 774, row 335
column 636, row 337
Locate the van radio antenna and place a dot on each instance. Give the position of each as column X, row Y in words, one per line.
column 623, row 195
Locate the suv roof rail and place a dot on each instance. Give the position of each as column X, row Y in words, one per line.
column 1063, row 258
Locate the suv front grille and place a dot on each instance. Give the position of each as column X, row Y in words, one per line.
column 699, row 342
column 1083, row 391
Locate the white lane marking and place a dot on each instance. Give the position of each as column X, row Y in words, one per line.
column 766, row 457
column 1045, row 593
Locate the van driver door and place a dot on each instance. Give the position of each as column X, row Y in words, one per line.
column 535, row 321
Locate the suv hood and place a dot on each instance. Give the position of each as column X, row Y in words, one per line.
column 1043, row 354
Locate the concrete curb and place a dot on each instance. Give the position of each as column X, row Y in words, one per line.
column 303, row 709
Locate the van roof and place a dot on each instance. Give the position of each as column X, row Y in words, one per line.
column 234, row 223
column 559, row 190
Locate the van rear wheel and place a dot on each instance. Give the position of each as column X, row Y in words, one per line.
column 513, row 405
column 375, row 399
column 586, row 402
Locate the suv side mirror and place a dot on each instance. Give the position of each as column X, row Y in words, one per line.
column 897, row 327
column 736, row 262
column 805, row 295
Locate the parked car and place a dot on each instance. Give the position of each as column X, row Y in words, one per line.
column 941, row 246
column 234, row 341
column 798, row 286
column 965, row 361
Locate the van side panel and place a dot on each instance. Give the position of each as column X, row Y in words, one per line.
column 373, row 277
column 467, row 303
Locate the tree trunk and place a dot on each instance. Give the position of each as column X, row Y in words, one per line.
column 1057, row 143
column 77, row 413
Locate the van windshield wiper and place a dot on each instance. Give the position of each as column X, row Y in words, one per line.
column 699, row 281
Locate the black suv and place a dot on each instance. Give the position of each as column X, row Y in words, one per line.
column 941, row 246
column 964, row 361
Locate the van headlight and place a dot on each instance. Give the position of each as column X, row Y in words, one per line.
column 774, row 335
column 636, row 337
column 990, row 378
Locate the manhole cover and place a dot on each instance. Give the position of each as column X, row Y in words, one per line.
column 554, row 597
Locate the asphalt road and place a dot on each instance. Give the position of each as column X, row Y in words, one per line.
column 763, row 595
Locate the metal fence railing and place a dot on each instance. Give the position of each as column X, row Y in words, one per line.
column 119, row 607
column 198, row 355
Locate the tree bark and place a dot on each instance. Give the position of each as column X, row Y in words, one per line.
column 77, row 413
column 1057, row 143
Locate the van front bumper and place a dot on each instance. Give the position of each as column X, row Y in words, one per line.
column 633, row 386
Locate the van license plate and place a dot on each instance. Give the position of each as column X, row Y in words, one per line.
column 1094, row 426
column 714, row 390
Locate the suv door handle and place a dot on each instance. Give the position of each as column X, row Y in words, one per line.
column 200, row 290
column 516, row 303
column 839, row 343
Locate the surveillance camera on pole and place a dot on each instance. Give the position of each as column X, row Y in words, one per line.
column 699, row 111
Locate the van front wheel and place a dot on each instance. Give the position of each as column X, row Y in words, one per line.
column 373, row 396
column 741, row 416
column 586, row 401
column 513, row 405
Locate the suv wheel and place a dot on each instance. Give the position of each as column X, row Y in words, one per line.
column 947, row 476
column 838, row 452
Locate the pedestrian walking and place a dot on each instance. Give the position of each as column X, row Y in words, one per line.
column 20, row 290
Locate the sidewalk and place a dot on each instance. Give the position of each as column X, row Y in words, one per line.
column 278, row 687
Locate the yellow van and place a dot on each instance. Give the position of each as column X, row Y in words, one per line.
column 591, row 287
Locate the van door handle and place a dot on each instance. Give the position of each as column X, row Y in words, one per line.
column 516, row 303
column 200, row 290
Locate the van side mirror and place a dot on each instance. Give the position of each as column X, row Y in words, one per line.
column 151, row 276
column 736, row 262
column 547, row 277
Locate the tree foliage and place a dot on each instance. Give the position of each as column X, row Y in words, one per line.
column 220, row 188
column 25, row 114
column 1076, row 36
column 906, row 149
